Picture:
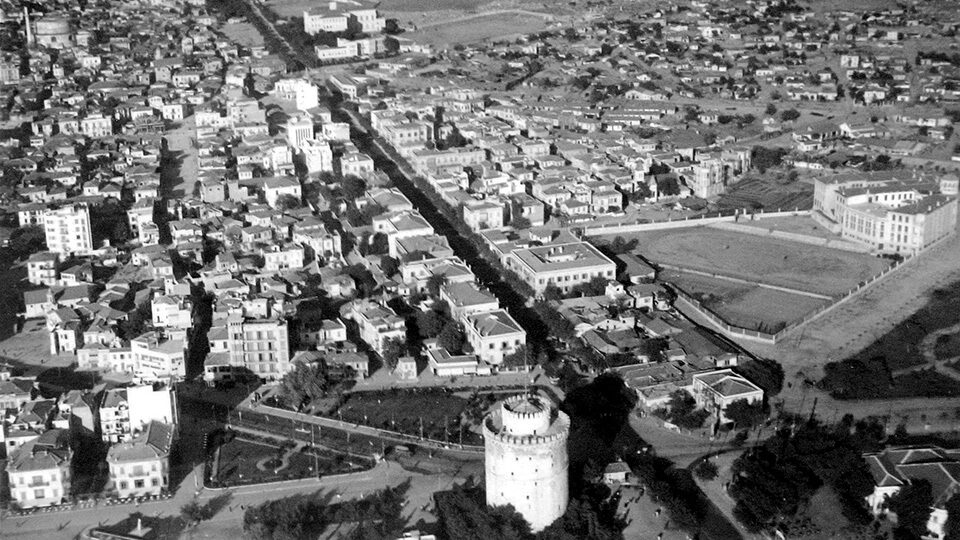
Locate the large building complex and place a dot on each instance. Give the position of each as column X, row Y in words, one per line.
column 526, row 458
column 887, row 213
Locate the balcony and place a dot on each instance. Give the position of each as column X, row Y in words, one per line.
column 41, row 483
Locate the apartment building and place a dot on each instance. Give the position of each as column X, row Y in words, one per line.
column 38, row 472
column 303, row 93
column 67, row 230
column 141, row 466
column 126, row 412
column 562, row 265
column 154, row 356
column 261, row 346
column 378, row 324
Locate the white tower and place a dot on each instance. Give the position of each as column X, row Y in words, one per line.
column 526, row 458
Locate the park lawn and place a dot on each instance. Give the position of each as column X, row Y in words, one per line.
column 773, row 261
column 403, row 410
column 239, row 458
column 743, row 305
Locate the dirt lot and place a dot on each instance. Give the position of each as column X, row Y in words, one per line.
column 797, row 225
column 769, row 260
column 744, row 305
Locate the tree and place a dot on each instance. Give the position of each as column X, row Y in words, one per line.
column 429, row 324
column 137, row 322
column 619, row 245
column 595, row 287
column 952, row 527
column 518, row 359
column 353, row 187
column 303, row 384
column 27, row 240
column 789, row 115
column 434, row 283
column 771, row 109
column 393, row 349
column 706, row 470
column 743, row 413
column 287, row 202
column 912, row 506
column 451, row 337
column 552, row 293
column 378, row 244
column 389, row 265
column 520, row 222
column 193, row 512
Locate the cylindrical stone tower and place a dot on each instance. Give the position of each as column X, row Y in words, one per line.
column 526, row 458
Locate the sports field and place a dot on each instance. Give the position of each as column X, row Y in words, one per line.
column 748, row 306
column 772, row 261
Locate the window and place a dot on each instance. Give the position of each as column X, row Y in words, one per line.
column 138, row 484
column 38, row 494
column 123, row 485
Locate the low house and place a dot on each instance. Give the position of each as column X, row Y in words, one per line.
column 894, row 468
column 715, row 390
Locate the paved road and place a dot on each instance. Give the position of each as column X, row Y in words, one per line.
column 227, row 522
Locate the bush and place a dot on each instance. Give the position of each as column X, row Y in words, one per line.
column 706, row 470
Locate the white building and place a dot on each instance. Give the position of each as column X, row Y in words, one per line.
column 303, row 93
column 67, row 230
column 715, row 390
column 261, row 346
column 886, row 213
column 562, row 265
column 299, row 130
column 494, row 335
column 526, row 458
column 38, row 472
column 141, row 467
column 153, row 357
column 317, row 156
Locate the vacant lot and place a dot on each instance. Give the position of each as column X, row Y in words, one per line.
column 793, row 224
column 768, row 260
column 746, row 306
column 479, row 28
column 243, row 33
column 769, row 194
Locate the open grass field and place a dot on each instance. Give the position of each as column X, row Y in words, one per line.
column 479, row 28
column 743, row 305
column 773, row 261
